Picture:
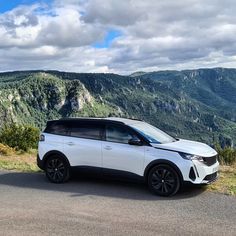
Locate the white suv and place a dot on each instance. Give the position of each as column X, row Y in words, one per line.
column 126, row 146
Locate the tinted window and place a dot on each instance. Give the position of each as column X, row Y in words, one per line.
column 85, row 131
column 118, row 134
column 56, row 128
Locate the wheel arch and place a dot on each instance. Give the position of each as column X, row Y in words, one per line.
column 51, row 153
column 163, row 161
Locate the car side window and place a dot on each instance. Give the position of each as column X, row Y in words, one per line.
column 118, row 134
column 57, row 128
column 86, row 131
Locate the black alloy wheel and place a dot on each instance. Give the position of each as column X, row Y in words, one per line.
column 163, row 180
column 57, row 170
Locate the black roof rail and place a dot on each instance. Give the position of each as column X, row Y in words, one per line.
column 129, row 118
column 95, row 119
column 102, row 119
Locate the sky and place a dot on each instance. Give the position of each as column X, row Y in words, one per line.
column 117, row 36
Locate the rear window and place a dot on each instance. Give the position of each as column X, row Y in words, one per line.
column 87, row 130
column 56, row 128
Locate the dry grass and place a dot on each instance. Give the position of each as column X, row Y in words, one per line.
column 25, row 162
column 227, row 181
column 6, row 150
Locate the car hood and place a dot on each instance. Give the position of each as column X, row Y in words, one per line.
column 187, row 146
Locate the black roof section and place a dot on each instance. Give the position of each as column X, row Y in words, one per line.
column 94, row 119
column 87, row 119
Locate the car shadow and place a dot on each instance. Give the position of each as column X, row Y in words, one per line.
column 82, row 185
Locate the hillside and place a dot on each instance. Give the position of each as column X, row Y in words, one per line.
column 197, row 104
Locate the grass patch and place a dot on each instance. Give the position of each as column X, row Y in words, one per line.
column 227, row 181
column 24, row 162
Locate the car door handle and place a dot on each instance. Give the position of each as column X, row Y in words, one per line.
column 70, row 143
column 108, row 147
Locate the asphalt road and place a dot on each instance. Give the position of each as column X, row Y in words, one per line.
column 30, row 205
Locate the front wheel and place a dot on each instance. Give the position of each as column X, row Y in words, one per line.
column 163, row 180
column 57, row 169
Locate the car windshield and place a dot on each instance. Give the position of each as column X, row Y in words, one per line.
column 153, row 134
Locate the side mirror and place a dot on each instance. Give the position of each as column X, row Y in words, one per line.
column 135, row 141
column 176, row 137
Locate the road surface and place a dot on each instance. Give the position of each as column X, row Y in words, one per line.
column 30, row 205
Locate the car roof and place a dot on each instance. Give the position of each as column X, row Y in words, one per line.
column 100, row 119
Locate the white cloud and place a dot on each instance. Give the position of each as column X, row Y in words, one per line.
column 155, row 35
column 67, row 30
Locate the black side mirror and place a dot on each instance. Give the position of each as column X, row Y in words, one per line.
column 176, row 137
column 135, row 141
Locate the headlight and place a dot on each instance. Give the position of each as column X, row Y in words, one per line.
column 187, row 156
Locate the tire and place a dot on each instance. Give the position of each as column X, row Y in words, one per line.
column 163, row 180
column 57, row 169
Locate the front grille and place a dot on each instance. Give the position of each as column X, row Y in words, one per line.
column 209, row 161
column 211, row 177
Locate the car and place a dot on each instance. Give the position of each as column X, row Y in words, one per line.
column 126, row 146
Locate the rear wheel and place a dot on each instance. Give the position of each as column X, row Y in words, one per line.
column 57, row 169
column 163, row 180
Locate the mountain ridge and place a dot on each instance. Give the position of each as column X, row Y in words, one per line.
column 198, row 104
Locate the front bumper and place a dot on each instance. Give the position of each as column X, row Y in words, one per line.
column 203, row 174
column 211, row 178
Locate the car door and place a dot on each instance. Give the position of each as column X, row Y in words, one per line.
column 118, row 154
column 83, row 145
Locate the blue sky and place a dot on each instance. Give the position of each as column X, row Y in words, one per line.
column 6, row 5
column 106, row 42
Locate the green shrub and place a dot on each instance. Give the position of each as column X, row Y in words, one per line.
column 20, row 137
column 227, row 155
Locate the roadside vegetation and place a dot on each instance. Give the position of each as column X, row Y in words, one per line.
column 227, row 180
column 20, row 137
column 227, row 155
column 18, row 145
column 18, row 150
column 226, row 183
column 18, row 160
